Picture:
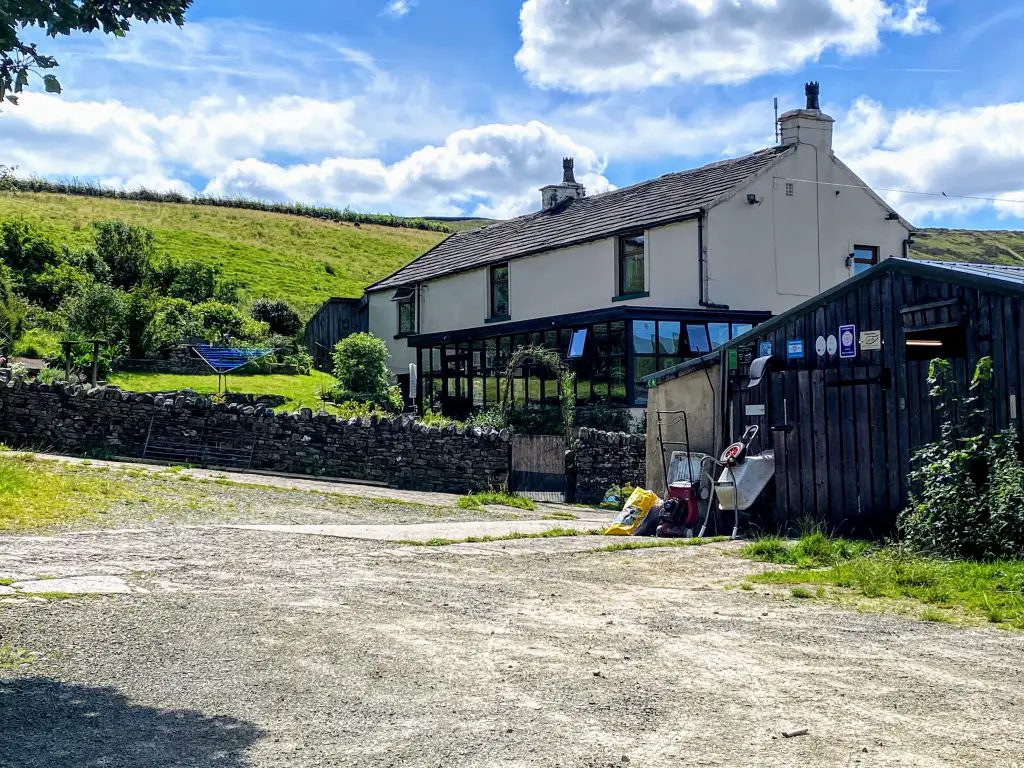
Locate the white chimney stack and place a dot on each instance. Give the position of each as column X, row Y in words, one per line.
column 553, row 194
column 809, row 125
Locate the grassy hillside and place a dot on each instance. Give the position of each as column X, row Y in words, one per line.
column 989, row 246
column 272, row 254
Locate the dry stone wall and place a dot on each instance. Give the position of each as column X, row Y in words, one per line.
column 605, row 459
column 400, row 452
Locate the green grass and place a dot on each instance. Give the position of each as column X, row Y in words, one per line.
column 644, row 543
column 271, row 254
column 561, row 516
column 301, row 391
column 32, row 496
column 960, row 591
column 989, row 246
column 552, row 533
column 477, row 500
column 12, row 657
column 812, row 551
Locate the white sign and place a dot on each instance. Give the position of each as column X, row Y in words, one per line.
column 413, row 382
column 870, row 341
column 819, row 346
column 833, row 345
column 755, row 410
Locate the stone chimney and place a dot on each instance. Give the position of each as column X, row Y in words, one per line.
column 809, row 125
column 569, row 189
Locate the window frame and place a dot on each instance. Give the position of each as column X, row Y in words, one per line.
column 405, row 297
column 855, row 260
column 620, row 264
column 492, row 313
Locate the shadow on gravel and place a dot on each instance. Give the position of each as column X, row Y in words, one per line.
column 48, row 723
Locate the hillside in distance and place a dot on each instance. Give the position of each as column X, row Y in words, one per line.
column 976, row 245
column 300, row 259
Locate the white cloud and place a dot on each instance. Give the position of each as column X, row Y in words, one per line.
column 968, row 152
column 398, row 8
column 607, row 45
column 490, row 170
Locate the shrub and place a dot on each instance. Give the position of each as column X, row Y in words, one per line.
column 222, row 319
column 278, row 315
column 38, row 343
column 13, row 311
column 51, row 375
column 127, row 249
column 24, row 249
column 56, row 283
column 361, row 368
column 967, row 488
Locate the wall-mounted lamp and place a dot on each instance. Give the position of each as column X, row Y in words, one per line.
column 893, row 216
column 849, row 260
column 752, row 199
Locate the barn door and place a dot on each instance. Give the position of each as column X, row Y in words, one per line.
column 829, row 433
column 538, row 467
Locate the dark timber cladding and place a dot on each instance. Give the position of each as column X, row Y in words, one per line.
column 335, row 320
column 844, row 415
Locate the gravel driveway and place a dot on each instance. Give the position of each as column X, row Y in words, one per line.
column 251, row 648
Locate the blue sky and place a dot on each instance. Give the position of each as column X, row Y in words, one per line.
column 463, row 107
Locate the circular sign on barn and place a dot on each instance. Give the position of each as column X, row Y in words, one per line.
column 819, row 346
column 833, row 345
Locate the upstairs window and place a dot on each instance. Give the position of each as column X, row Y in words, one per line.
column 631, row 264
column 405, row 300
column 499, row 291
column 864, row 258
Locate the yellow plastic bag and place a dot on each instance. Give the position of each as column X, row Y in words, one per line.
column 633, row 513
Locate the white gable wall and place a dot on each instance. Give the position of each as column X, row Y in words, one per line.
column 766, row 256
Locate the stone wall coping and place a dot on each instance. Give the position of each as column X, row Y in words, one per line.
column 199, row 404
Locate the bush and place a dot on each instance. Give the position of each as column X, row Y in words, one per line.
column 13, row 311
column 128, row 251
column 39, row 343
column 223, row 320
column 278, row 315
column 24, row 249
column 361, row 368
column 967, row 488
column 56, row 283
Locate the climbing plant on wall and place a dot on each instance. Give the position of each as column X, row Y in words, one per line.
column 552, row 361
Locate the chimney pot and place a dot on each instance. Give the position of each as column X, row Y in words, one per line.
column 813, row 92
column 570, row 189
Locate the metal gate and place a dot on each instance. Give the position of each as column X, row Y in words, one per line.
column 538, row 467
column 172, row 443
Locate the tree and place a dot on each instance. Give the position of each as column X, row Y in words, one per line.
column 128, row 251
column 282, row 319
column 98, row 312
column 19, row 59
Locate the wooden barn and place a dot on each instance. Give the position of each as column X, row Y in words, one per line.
column 335, row 320
column 844, row 398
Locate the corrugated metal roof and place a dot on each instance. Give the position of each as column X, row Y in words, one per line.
column 673, row 197
column 1003, row 272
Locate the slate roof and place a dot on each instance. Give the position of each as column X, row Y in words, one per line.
column 669, row 198
column 1002, row 272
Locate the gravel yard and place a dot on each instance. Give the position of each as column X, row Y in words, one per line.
column 238, row 648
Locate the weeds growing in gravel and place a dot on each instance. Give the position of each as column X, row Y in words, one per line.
column 643, row 543
column 12, row 657
column 561, row 516
column 551, row 533
column 477, row 500
column 814, row 550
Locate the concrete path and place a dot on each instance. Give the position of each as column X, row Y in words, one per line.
column 423, row 532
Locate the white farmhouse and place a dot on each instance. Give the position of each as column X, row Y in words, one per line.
column 635, row 280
